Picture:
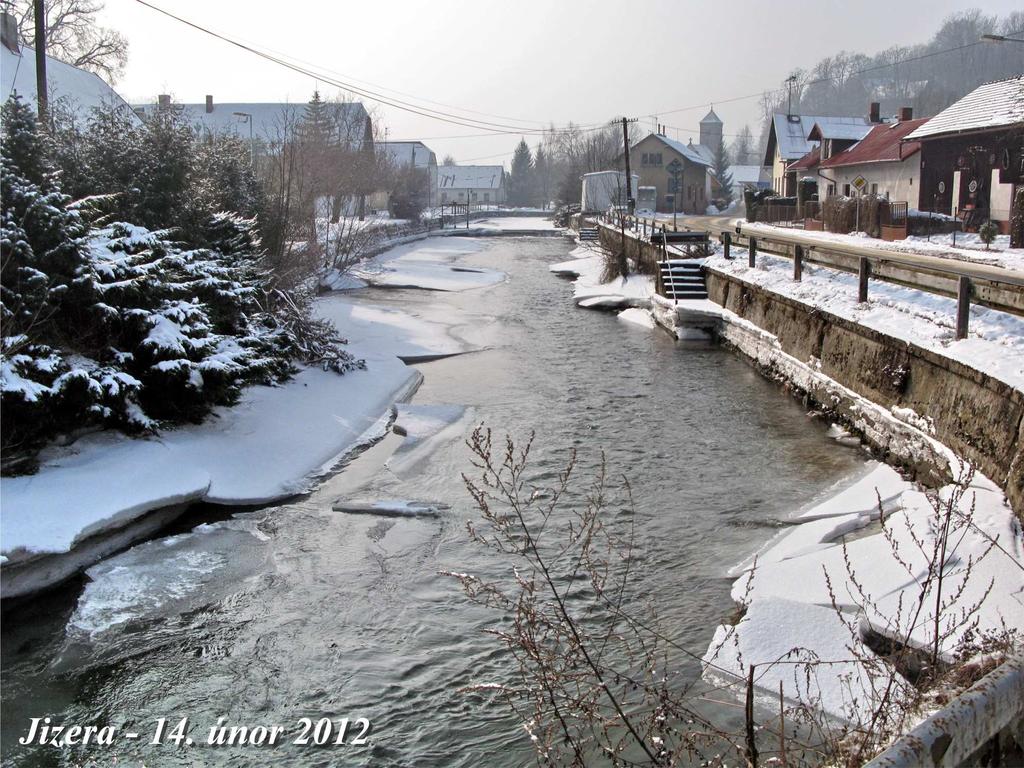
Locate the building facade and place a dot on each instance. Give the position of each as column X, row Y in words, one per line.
column 972, row 155
column 788, row 142
column 473, row 184
column 890, row 166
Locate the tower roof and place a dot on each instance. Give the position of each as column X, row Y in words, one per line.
column 711, row 117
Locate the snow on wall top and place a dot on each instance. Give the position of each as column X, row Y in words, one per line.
column 401, row 153
column 83, row 90
column 790, row 132
column 269, row 120
column 470, row 177
column 991, row 105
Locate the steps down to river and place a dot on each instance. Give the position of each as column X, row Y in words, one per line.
column 588, row 234
column 682, row 279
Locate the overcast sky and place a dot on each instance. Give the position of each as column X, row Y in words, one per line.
column 533, row 61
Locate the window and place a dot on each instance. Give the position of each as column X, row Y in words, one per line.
column 910, row 182
column 846, row 190
column 874, row 189
column 643, row 159
column 444, row 197
column 487, row 197
column 831, row 189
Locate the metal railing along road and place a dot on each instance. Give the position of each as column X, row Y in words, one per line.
column 968, row 282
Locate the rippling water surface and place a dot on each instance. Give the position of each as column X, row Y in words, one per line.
column 298, row 610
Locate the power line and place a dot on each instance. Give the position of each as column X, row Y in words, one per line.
column 440, row 115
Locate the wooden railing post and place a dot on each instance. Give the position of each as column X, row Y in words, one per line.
column 726, row 244
column 752, row 252
column 798, row 262
column 863, row 272
column 963, row 306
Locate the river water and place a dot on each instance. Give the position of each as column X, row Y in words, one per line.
column 298, row 610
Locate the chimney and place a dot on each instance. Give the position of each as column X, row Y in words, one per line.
column 209, row 103
column 906, row 113
column 9, row 33
column 164, row 100
column 876, row 112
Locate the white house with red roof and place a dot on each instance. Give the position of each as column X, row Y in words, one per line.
column 890, row 166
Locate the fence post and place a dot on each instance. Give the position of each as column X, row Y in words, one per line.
column 726, row 244
column 752, row 252
column 863, row 272
column 963, row 306
column 798, row 262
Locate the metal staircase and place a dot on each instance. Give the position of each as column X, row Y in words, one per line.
column 681, row 279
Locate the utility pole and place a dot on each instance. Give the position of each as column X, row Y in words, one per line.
column 623, row 261
column 41, row 91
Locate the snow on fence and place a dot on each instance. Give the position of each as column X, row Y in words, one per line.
column 993, row 287
column 957, row 734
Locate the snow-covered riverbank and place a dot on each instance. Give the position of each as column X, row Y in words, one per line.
column 273, row 444
column 839, row 578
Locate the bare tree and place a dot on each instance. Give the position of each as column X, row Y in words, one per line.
column 73, row 35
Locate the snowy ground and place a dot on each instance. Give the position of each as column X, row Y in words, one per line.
column 272, row 444
column 995, row 344
column 587, row 265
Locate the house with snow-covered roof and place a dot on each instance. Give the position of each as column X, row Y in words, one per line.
column 972, row 155
column 471, row 184
column 789, row 141
column 71, row 87
column 890, row 165
column 410, row 154
column 680, row 172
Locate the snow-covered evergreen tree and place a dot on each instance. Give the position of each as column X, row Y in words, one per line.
column 720, row 170
column 120, row 325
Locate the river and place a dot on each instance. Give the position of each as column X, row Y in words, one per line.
column 297, row 610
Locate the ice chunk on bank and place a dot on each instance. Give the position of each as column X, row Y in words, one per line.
column 637, row 316
column 810, row 649
column 392, row 508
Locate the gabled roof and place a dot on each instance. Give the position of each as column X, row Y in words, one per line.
column 268, row 119
column 885, row 143
column 695, row 153
column 83, row 90
column 830, row 129
column 811, row 160
column 711, row 117
column 790, row 133
column 750, row 174
column 470, row 177
column 401, row 153
column 992, row 105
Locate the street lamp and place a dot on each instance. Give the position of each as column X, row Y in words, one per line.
column 1001, row 39
column 252, row 144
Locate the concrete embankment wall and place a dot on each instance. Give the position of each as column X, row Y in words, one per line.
column 978, row 417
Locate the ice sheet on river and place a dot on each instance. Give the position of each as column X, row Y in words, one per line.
column 430, row 265
column 164, row 578
column 587, row 265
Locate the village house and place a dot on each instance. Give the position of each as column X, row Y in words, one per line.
column 890, row 166
column 411, row 154
column 479, row 184
column 69, row 87
column 751, row 177
column 789, row 141
column 679, row 172
column 972, row 155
